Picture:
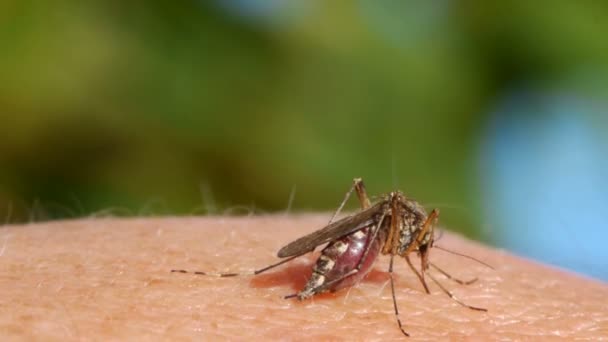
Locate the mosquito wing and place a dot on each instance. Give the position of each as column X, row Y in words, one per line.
column 331, row 232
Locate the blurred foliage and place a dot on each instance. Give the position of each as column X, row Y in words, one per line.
column 192, row 107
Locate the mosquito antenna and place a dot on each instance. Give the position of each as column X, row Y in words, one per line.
column 465, row 256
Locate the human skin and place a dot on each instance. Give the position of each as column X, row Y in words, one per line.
column 109, row 279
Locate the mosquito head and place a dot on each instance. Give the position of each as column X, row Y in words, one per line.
column 396, row 197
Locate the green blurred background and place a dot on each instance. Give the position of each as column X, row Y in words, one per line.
column 214, row 107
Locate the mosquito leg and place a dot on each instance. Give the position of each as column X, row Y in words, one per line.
column 454, row 279
column 454, row 297
column 390, row 273
column 423, row 249
column 464, row 256
column 418, row 274
column 391, row 243
column 225, row 275
column 426, row 227
column 361, row 193
column 346, row 197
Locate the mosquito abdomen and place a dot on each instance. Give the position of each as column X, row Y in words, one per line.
column 341, row 257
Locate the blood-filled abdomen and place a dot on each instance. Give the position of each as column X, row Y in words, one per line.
column 335, row 268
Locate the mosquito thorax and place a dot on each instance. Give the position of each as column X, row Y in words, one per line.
column 413, row 217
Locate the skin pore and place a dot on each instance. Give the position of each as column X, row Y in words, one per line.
column 109, row 279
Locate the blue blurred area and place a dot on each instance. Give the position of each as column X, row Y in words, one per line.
column 544, row 161
column 269, row 13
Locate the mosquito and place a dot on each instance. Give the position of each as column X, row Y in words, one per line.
column 395, row 225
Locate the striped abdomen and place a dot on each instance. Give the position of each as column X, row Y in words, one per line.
column 341, row 257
